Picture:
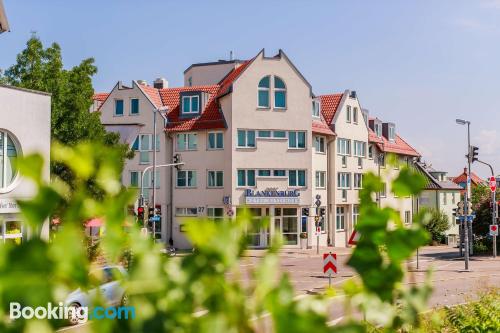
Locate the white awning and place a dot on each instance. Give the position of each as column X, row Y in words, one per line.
column 128, row 132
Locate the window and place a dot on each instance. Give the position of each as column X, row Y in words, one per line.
column 279, row 134
column 279, row 173
column 263, row 95
column 186, row 178
column 392, row 133
column 215, row 179
column 445, row 199
column 348, row 113
column 296, row 140
column 358, row 180
column 134, row 178
column 264, row 173
column 118, row 107
column 296, row 178
column 187, row 141
column 190, row 104
column 246, row 177
column 319, row 144
column 134, row 106
column 340, row 218
column 378, row 129
column 359, row 148
column 343, row 146
column 355, row 215
column 320, row 179
column 246, row 139
column 407, row 217
column 383, row 192
column 9, row 153
column 215, row 140
column 355, row 115
column 144, row 145
column 370, row 151
column 192, row 211
column 344, row 180
column 264, row 134
column 315, row 109
column 215, row 214
column 279, row 93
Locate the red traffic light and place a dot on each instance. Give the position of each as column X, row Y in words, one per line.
column 140, row 210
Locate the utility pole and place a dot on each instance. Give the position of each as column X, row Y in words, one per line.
column 466, row 197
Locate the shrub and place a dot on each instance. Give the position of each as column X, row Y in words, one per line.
column 437, row 224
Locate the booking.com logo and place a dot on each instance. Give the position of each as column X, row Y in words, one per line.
column 79, row 314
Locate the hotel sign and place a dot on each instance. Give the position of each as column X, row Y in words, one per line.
column 272, row 196
column 9, row 206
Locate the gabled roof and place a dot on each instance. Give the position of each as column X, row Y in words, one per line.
column 210, row 118
column 329, row 105
column 462, row 178
column 321, row 128
column 226, row 83
column 432, row 183
column 151, row 93
column 399, row 146
column 100, row 97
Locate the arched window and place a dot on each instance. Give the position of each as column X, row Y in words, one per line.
column 8, row 154
column 279, row 93
column 264, row 86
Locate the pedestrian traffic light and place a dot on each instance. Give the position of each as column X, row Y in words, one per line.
column 177, row 159
column 151, row 212
column 473, row 153
column 140, row 214
column 322, row 211
column 305, row 211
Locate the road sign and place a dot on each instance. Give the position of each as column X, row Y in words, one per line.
column 155, row 218
column 493, row 184
column 329, row 264
column 353, row 240
column 493, row 230
column 318, row 231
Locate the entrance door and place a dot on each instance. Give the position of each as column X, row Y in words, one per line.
column 257, row 233
column 286, row 223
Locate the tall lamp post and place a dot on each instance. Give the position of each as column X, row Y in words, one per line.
column 467, row 194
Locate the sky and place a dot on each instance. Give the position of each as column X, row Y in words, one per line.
column 420, row 64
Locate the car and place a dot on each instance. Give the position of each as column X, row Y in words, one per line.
column 106, row 280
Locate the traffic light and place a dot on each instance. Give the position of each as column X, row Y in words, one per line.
column 473, row 153
column 322, row 211
column 140, row 215
column 460, row 210
column 151, row 212
column 305, row 211
column 177, row 159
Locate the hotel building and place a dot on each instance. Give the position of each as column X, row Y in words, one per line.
column 253, row 134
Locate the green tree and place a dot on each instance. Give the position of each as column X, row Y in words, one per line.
column 42, row 69
column 438, row 223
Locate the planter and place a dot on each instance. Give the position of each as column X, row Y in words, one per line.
column 303, row 243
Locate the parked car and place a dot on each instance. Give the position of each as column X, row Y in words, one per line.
column 107, row 280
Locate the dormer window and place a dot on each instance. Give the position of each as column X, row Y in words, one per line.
column 315, row 108
column 190, row 104
column 392, row 133
column 378, row 129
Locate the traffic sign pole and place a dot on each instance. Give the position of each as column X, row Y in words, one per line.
column 493, row 187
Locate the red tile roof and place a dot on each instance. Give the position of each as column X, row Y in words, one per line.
column 210, row 118
column 329, row 106
column 321, row 128
column 100, row 97
column 462, row 178
column 152, row 94
column 227, row 82
column 399, row 146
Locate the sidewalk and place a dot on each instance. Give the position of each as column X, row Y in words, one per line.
column 295, row 253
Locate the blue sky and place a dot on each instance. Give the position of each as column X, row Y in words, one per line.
column 419, row 64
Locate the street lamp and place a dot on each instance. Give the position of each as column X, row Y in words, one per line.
column 467, row 194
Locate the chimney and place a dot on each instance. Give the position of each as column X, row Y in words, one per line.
column 143, row 82
column 352, row 94
column 465, row 170
column 160, row 83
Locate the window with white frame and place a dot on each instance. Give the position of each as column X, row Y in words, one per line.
column 359, row 148
column 264, row 173
column 383, row 192
column 134, row 106
column 279, row 173
column 297, row 178
column 186, row 178
column 215, row 140
column 378, row 129
column 191, row 104
column 136, row 178
column 315, row 108
column 319, row 144
column 340, row 219
column 355, row 115
column 144, row 145
column 370, row 151
column 343, row 146
column 263, row 134
column 246, row 177
column 263, row 92
column 246, row 139
column 215, row 214
column 392, row 133
column 279, row 93
column 344, row 180
column 348, row 113
column 296, row 139
column 215, row 178
column 407, row 217
column 187, row 141
column 118, row 107
column 9, row 153
column 358, row 180
column 355, row 214
column 279, row 134
column 186, row 211
column 320, row 179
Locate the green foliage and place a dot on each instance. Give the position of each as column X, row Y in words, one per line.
column 42, row 69
column 202, row 292
column 437, row 222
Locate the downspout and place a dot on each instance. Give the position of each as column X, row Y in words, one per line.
column 171, row 189
column 328, row 196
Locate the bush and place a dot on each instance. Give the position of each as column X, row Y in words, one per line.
column 437, row 224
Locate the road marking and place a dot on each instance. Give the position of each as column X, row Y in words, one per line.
column 334, row 322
